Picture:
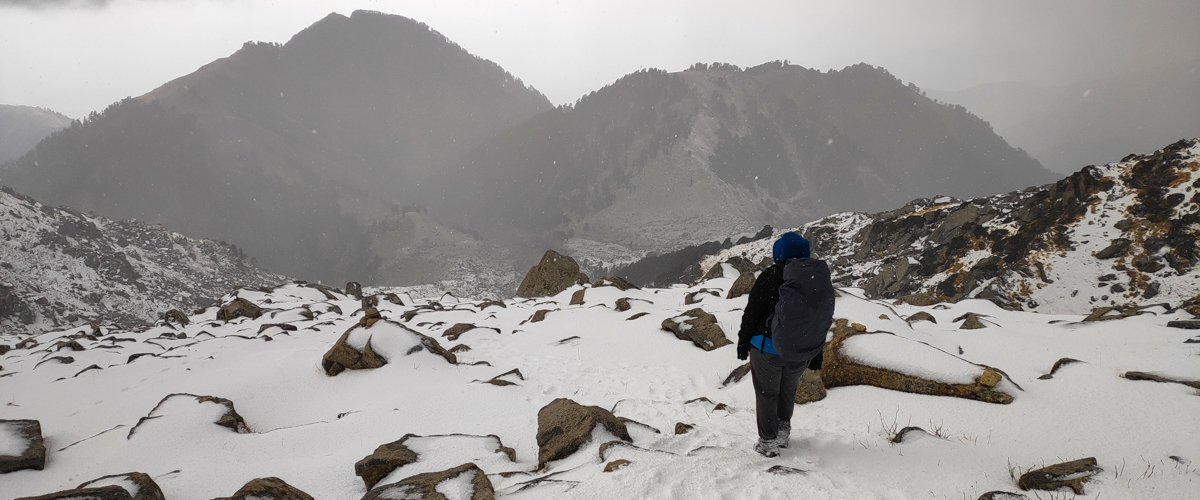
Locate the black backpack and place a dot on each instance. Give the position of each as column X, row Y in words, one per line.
column 804, row 312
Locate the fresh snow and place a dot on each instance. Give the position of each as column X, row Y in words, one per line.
column 12, row 444
column 905, row 356
column 309, row 429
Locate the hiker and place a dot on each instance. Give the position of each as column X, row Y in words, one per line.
column 783, row 331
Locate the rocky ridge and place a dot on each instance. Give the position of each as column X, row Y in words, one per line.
column 63, row 268
column 1105, row 236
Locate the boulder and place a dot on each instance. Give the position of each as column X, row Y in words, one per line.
column 489, row 303
column 1116, row 249
column 811, row 387
column 371, row 315
column 1186, row 324
column 1192, row 306
column 456, row 331
column 425, row 486
column 970, row 321
column 101, row 493
column 146, row 488
column 28, row 432
column 555, row 273
column 921, row 316
column 920, row 299
column 637, row 315
column 391, row 456
column 690, row 298
column 564, row 426
column 1002, row 495
column 682, row 428
column 840, row 370
column 354, row 289
column 538, row 315
column 622, row 304
column 176, row 316
column 229, row 418
column 700, row 328
column 1067, row 474
column 741, row 286
column 268, row 488
column 577, row 297
column 342, row 356
column 238, row 308
column 385, row 459
column 616, row 464
column 616, row 281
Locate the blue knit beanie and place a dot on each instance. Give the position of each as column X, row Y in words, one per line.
column 790, row 246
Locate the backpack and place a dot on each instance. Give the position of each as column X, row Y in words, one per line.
column 804, row 312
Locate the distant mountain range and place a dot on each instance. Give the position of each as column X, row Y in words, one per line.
column 286, row 149
column 21, row 127
column 1091, row 123
column 660, row 160
column 371, row 148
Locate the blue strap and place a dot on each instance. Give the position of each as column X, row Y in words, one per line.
column 763, row 343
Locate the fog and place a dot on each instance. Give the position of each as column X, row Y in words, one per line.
column 78, row 56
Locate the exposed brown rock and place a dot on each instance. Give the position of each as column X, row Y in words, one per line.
column 921, row 299
column 1002, row 495
column 736, row 375
column 489, row 303
column 577, row 297
column 391, row 456
column 147, row 488
column 424, row 486
column 622, row 304
column 456, row 331
column 616, row 281
column 1067, row 474
column 1057, row 365
column 555, row 273
column 782, row 470
column 616, row 464
column 370, row 316
column 354, row 289
column 34, row 456
column 238, row 308
column 811, row 387
column 342, row 356
column 690, row 298
column 1116, row 249
column 385, row 459
column 921, row 316
column 176, row 316
column 741, row 286
column 970, row 321
column 67, row 344
column 102, row 493
column 539, row 315
column 682, row 428
column 989, row 378
column 838, row 371
column 564, row 426
column 636, row 316
column 1157, row 378
column 271, row 488
column 702, row 329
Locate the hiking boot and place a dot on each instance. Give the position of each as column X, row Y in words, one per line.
column 767, row 448
column 782, row 437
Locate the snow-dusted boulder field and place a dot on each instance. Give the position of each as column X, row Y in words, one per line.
column 470, row 398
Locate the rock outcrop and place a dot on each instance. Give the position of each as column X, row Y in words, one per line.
column 741, row 286
column 1064, row 475
column 425, row 486
column 841, row 370
column 699, row 327
column 343, row 356
column 28, row 432
column 101, row 493
column 268, row 488
column 555, row 273
column 564, row 426
column 146, row 488
column 811, row 388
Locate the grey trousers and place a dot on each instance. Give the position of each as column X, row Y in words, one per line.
column 775, row 382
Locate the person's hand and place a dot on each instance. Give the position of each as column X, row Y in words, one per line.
column 743, row 350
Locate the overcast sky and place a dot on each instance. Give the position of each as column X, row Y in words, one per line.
column 76, row 56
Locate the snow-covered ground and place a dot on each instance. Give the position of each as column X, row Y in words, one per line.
column 309, row 428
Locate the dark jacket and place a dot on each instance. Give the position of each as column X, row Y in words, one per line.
column 761, row 306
